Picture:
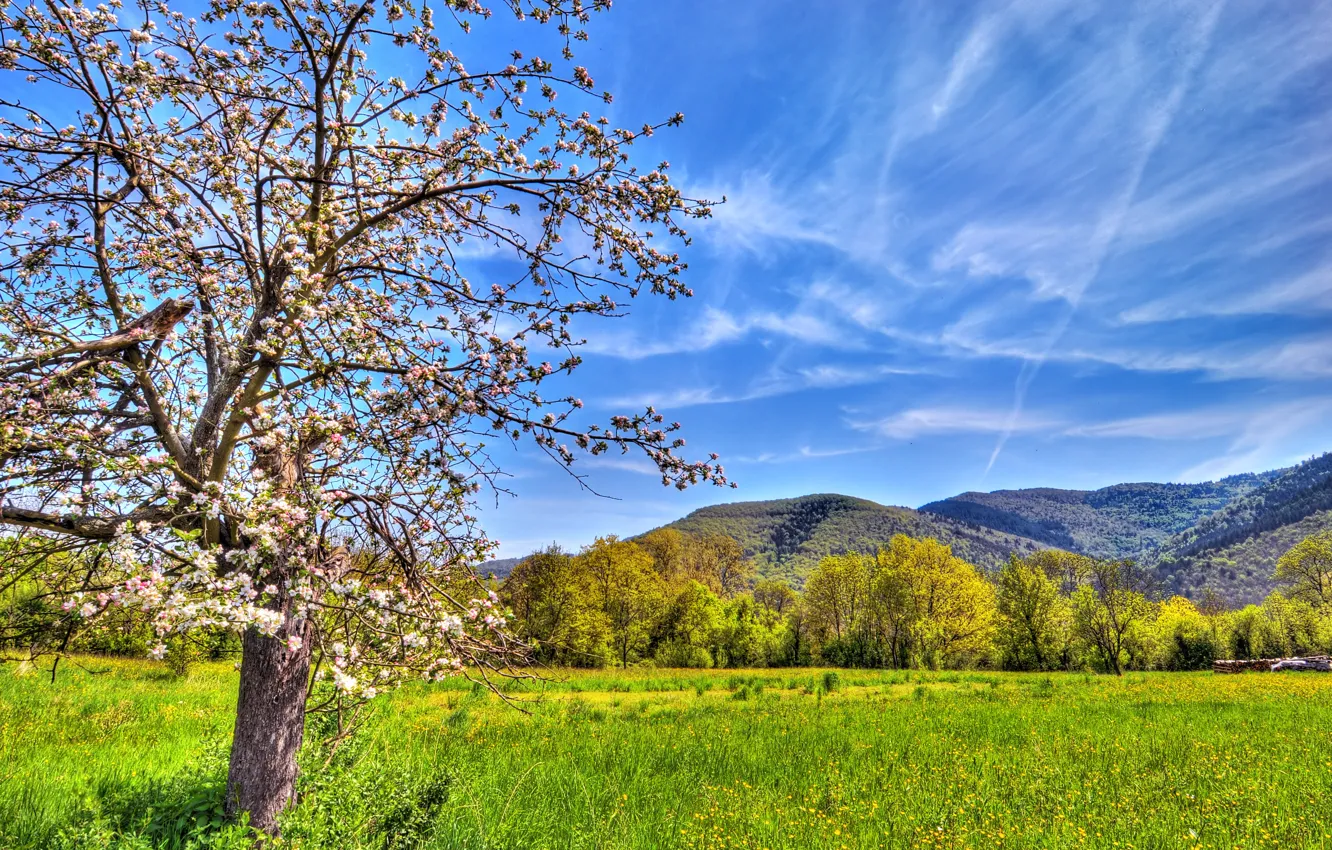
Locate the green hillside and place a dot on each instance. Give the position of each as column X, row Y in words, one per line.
column 1234, row 549
column 499, row 568
column 1240, row 572
column 1289, row 496
column 1221, row 535
column 1124, row 520
column 787, row 537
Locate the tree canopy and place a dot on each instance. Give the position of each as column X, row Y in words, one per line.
column 249, row 362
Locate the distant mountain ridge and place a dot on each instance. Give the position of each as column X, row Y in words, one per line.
column 1120, row 521
column 499, row 567
column 787, row 537
column 1223, row 536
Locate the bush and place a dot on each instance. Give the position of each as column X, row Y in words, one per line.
column 679, row 654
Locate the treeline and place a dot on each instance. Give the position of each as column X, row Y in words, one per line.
column 680, row 600
column 676, row 599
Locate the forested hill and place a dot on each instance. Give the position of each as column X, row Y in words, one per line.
column 1222, row 535
column 787, row 537
column 1124, row 520
column 1289, row 496
column 1234, row 549
column 499, row 568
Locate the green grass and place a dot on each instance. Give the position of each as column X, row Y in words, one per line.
column 688, row 759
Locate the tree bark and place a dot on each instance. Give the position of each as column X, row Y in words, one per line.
column 270, row 721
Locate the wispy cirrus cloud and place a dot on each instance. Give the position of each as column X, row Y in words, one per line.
column 1265, row 440
column 1261, row 434
column 1043, row 210
column 989, row 334
column 1089, row 170
column 714, row 328
column 932, row 421
column 1303, row 293
column 720, row 327
column 623, row 463
column 778, row 382
column 1179, row 425
column 802, row 453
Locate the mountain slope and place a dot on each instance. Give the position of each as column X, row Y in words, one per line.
column 1235, row 549
column 1290, row 496
column 1124, row 520
column 1239, row 572
column 787, row 537
column 499, row 568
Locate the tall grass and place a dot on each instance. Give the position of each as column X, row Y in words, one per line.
column 649, row 759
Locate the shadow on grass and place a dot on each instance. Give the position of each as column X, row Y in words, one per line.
column 182, row 812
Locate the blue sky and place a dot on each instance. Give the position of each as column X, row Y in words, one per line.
column 967, row 247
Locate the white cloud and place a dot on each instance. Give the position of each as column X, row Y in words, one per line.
column 1263, row 434
column 627, row 463
column 673, row 399
column 758, row 216
column 720, row 327
column 1053, row 257
column 846, row 376
column 1215, row 192
column 1266, row 440
column 777, row 383
column 716, row 327
column 990, row 334
column 1310, row 291
column 803, row 453
column 1182, row 425
column 928, row 421
column 969, row 60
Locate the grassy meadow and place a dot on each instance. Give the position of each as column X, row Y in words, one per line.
column 124, row 754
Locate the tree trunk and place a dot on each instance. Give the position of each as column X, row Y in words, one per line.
column 1112, row 658
column 270, row 721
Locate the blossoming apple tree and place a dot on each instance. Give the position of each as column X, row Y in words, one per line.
column 249, row 359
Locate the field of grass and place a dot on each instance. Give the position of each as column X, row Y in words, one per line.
column 134, row 757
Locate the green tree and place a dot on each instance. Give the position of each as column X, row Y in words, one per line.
column 1183, row 637
column 556, row 608
column 939, row 609
column 666, row 546
column 1306, row 570
column 1296, row 620
column 774, row 597
column 1067, row 570
column 630, row 592
column 1111, row 610
column 718, row 561
column 1033, row 616
column 796, row 639
column 835, row 594
column 748, row 638
column 1254, row 635
column 689, row 632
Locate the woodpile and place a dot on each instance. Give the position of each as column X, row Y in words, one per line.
column 1318, row 663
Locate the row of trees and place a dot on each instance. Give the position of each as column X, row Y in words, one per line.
column 681, row 600
column 692, row 601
